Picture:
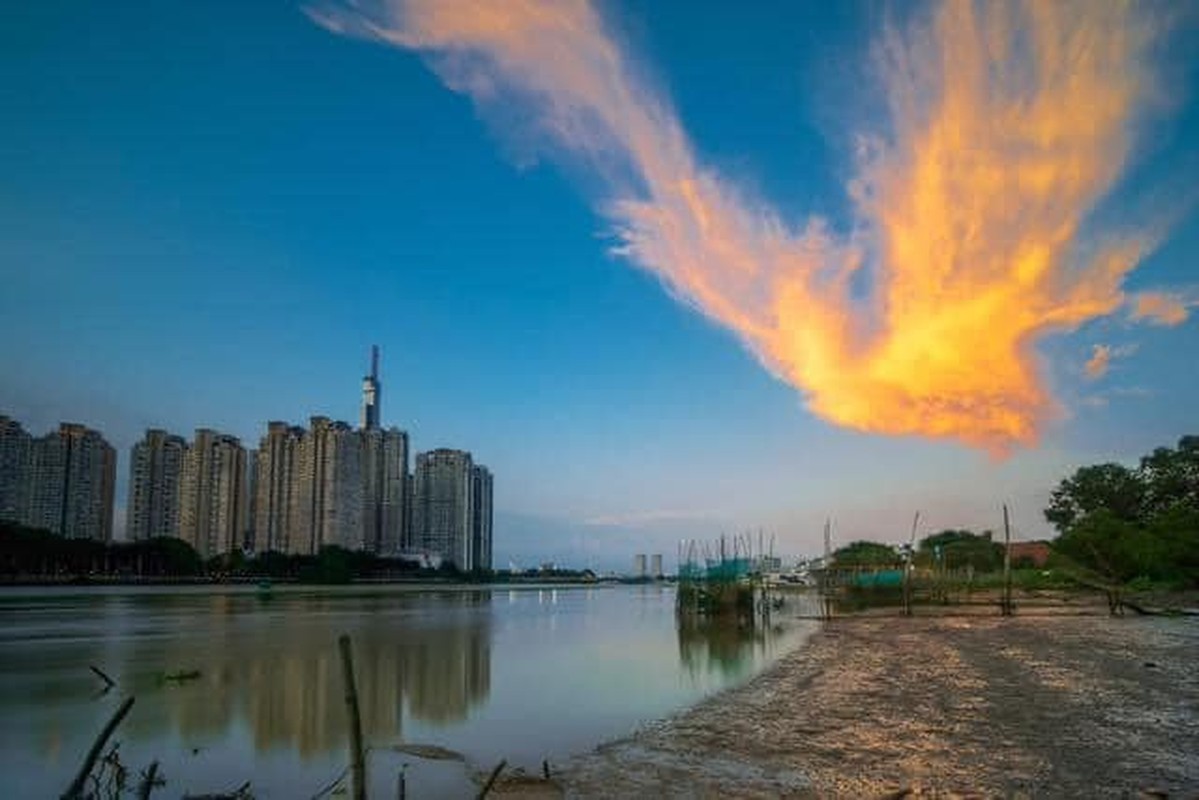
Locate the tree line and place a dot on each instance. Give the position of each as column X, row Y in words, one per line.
column 31, row 554
column 1127, row 524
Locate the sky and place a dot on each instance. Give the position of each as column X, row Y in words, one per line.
column 670, row 269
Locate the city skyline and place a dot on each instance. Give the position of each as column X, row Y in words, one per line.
column 215, row 209
column 302, row 490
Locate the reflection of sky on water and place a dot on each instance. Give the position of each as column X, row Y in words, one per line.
column 521, row 674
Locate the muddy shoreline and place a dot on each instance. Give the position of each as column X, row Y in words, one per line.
column 1065, row 706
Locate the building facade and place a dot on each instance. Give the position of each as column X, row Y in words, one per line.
column 15, row 446
column 384, row 489
column 69, row 483
column 278, row 512
column 481, row 488
column 214, row 508
column 443, row 507
column 155, row 483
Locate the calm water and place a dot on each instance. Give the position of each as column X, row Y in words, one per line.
column 523, row 675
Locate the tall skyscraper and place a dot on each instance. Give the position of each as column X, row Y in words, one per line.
column 279, row 515
column 248, row 542
column 333, row 485
column 214, row 509
column 70, row 482
column 481, row 522
column 15, row 445
column 384, row 495
column 371, row 394
column 443, row 506
column 155, row 481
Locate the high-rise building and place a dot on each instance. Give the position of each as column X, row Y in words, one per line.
column 15, row 444
column 331, row 475
column 443, row 508
column 278, row 512
column 155, row 481
column 481, row 522
column 251, row 506
column 70, row 479
column 655, row 566
column 639, row 565
column 371, row 394
column 214, row 509
column 384, row 489
column 333, row 485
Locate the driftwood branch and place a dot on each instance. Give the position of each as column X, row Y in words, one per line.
column 495, row 773
column 108, row 682
column 75, row 790
column 150, row 779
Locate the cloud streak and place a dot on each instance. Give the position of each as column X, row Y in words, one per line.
column 1007, row 124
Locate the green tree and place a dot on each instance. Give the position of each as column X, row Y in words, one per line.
column 1134, row 523
column 1112, row 488
column 863, row 553
column 961, row 548
column 1171, row 476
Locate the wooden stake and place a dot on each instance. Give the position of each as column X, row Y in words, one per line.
column 1007, row 564
column 357, row 762
column 76, row 788
column 907, row 568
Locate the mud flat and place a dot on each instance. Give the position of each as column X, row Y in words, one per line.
column 1044, row 706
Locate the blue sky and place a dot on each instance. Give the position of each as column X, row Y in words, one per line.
column 210, row 211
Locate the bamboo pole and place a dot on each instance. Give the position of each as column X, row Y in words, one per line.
column 357, row 762
column 1007, row 564
column 76, row 788
column 907, row 568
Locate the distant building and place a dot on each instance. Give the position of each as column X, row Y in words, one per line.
column 15, row 447
column 639, row 565
column 655, row 566
column 443, row 506
column 384, row 490
column 481, row 489
column 1032, row 553
column 155, row 482
column 214, row 506
column 278, row 513
column 331, row 487
column 251, row 497
column 69, row 483
column 371, row 394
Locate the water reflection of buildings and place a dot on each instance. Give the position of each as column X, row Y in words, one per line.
column 424, row 656
column 714, row 644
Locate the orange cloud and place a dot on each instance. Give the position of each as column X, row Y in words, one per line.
column 1160, row 308
column 1101, row 359
column 1099, row 362
column 1008, row 122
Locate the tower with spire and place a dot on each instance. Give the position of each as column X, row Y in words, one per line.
column 371, row 394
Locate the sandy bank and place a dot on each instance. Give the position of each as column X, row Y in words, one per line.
column 1042, row 707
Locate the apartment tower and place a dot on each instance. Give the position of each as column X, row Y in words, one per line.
column 155, row 483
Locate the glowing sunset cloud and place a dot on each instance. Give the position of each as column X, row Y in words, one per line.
column 1008, row 123
column 1161, row 308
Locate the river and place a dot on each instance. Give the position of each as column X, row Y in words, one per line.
column 524, row 674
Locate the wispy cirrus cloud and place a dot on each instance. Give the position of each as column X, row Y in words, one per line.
column 1007, row 124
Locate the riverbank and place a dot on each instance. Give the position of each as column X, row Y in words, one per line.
column 1025, row 706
